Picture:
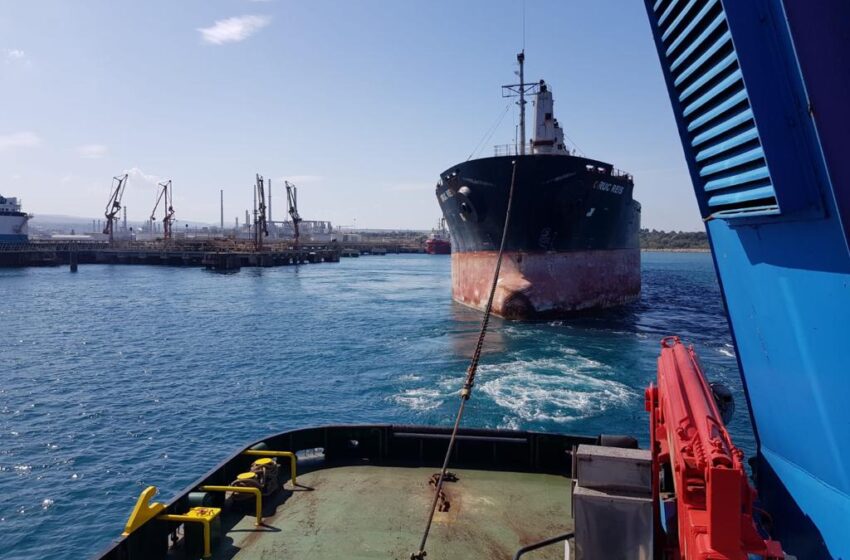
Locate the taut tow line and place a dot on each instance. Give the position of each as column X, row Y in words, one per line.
column 466, row 392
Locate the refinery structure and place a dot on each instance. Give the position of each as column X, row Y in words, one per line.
column 257, row 226
column 254, row 239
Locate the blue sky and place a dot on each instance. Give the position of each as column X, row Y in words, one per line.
column 361, row 103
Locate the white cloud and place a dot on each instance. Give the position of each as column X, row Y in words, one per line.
column 138, row 178
column 233, row 30
column 15, row 55
column 92, row 151
column 19, row 140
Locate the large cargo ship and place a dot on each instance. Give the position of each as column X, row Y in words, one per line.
column 13, row 221
column 572, row 242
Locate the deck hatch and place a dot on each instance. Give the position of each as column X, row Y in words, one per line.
column 734, row 177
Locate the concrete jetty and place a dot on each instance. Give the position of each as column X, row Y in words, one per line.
column 217, row 256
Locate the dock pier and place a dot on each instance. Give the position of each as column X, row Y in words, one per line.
column 209, row 255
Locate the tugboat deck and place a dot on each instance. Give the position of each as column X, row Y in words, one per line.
column 364, row 491
column 379, row 512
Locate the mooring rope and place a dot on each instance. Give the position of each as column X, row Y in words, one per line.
column 466, row 392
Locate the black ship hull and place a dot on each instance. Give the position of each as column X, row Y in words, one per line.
column 572, row 242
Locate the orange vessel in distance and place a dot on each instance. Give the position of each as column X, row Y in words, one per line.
column 439, row 242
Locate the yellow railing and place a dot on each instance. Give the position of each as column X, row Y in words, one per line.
column 266, row 453
column 258, row 497
column 203, row 516
column 144, row 510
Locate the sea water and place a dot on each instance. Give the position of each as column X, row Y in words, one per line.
column 119, row 377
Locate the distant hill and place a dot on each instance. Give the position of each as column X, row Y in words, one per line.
column 653, row 239
column 54, row 223
column 58, row 219
column 64, row 224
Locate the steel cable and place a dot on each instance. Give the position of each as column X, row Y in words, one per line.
column 489, row 133
column 466, row 392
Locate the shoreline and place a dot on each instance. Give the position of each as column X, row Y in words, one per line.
column 690, row 250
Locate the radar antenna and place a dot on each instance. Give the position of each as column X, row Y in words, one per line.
column 168, row 217
column 113, row 207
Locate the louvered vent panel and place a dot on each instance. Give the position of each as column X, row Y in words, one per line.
column 714, row 104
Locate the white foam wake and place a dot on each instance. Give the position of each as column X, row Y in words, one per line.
column 420, row 399
column 558, row 390
column 727, row 350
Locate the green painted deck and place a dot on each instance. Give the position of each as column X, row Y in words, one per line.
column 371, row 512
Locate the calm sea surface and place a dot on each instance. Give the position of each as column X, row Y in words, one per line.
column 118, row 377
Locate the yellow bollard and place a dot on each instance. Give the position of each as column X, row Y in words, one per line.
column 266, row 453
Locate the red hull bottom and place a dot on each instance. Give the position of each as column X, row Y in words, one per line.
column 547, row 285
column 438, row 247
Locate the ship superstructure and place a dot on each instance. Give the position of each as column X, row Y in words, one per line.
column 13, row 221
column 572, row 242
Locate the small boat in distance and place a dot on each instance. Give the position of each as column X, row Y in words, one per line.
column 439, row 242
column 13, row 221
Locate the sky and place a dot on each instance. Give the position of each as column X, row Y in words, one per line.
column 361, row 104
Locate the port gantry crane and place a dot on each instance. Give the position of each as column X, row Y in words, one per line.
column 261, row 226
column 292, row 205
column 113, row 207
column 168, row 219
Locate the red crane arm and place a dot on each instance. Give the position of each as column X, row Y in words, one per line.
column 714, row 501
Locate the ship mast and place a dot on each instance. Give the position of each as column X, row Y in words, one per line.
column 520, row 89
column 521, row 59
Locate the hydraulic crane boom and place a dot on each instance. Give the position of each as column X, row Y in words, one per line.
column 702, row 471
column 292, row 205
column 113, row 207
column 168, row 219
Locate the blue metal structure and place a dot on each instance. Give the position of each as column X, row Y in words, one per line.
column 761, row 94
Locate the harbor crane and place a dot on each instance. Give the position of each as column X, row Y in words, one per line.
column 113, row 207
column 165, row 192
column 261, row 226
column 292, row 205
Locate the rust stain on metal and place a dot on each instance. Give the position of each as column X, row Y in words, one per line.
column 443, row 501
column 448, row 501
column 550, row 284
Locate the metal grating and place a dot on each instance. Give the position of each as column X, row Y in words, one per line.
column 713, row 102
